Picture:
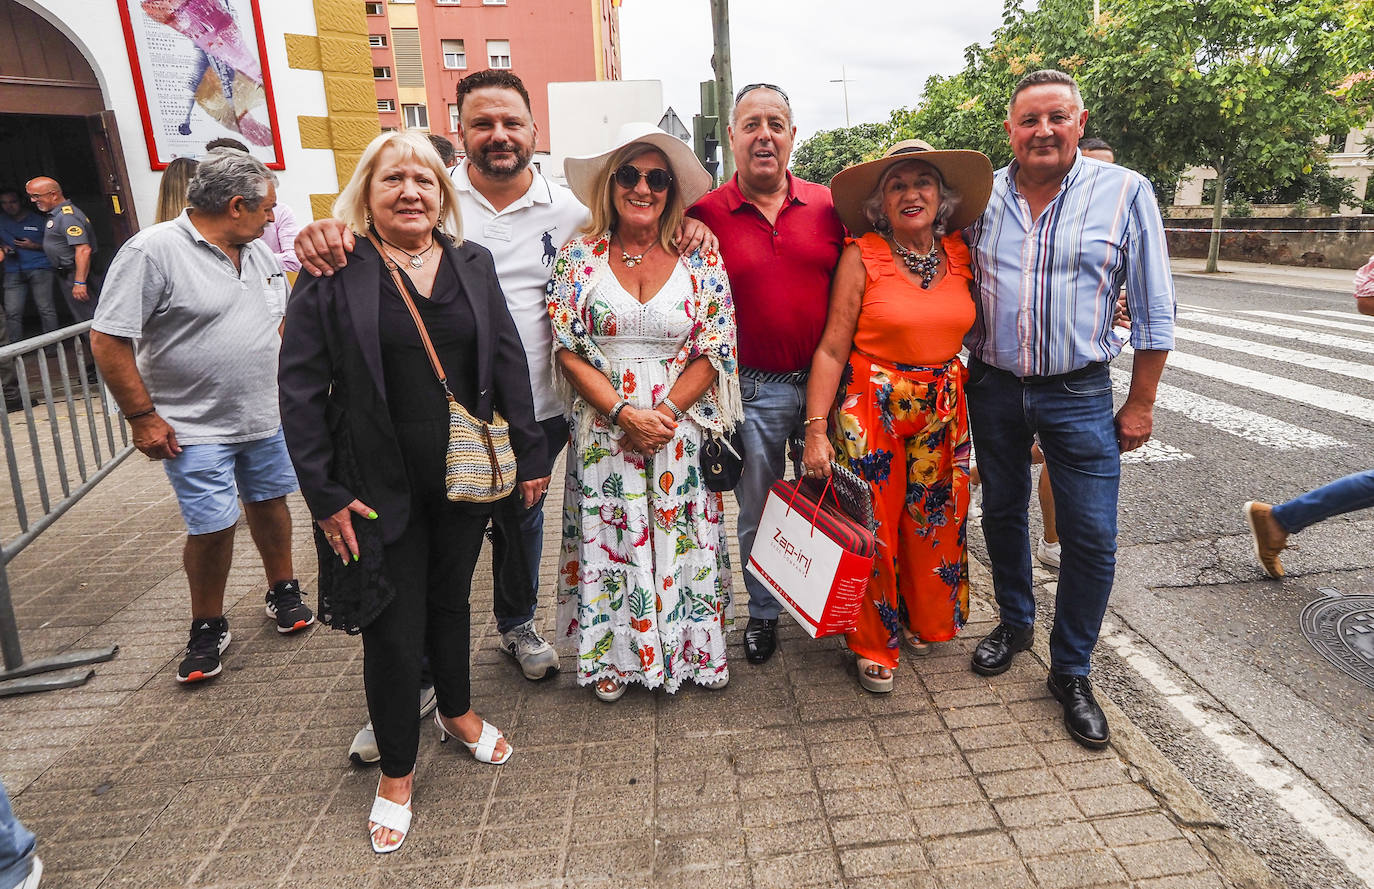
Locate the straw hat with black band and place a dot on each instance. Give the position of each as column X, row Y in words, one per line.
column 585, row 173
column 966, row 173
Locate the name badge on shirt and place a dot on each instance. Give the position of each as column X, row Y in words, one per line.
column 500, row 231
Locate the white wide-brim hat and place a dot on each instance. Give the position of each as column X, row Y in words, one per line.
column 585, row 174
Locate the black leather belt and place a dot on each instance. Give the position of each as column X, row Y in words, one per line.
column 1084, row 371
column 763, row 376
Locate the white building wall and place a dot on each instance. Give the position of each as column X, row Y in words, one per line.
column 585, row 117
column 96, row 30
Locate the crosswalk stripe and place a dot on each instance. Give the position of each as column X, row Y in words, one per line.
column 1348, row 316
column 1279, row 353
column 1247, row 424
column 1319, row 322
column 1312, row 337
column 1281, row 387
column 1154, row 451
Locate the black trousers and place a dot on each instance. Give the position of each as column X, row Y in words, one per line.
column 431, row 567
column 517, row 537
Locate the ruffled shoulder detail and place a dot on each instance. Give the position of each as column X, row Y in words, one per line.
column 876, row 255
column 957, row 256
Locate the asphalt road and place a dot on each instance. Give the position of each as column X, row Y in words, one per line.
column 1203, row 651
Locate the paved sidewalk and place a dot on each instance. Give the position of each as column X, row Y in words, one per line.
column 1332, row 280
column 792, row 776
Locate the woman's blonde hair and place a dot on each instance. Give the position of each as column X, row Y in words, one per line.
column 604, row 216
column 171, row 191
column 351, row 204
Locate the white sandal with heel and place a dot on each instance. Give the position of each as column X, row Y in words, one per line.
column 484, row 748
column 390, row 815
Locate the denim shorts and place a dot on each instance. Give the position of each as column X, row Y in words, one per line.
column 209, row 479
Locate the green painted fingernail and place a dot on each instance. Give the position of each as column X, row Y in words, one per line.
column 372, row 515
column 355, row 557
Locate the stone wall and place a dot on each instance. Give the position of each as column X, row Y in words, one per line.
column 1336, row 242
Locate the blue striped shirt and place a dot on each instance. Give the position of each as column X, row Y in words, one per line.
column 1047, row 288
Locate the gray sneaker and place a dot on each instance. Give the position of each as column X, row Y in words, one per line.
column 363, row 750
column 536, row 656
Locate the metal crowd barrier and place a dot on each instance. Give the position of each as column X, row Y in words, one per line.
column 84, row 448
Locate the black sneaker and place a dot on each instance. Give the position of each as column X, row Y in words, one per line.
column 209, row 638
column 285, row 605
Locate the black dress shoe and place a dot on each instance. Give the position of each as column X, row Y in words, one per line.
column 760, row 639
column 993, row 655
column 1084, row 719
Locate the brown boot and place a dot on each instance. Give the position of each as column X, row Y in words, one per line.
column 1268, row 535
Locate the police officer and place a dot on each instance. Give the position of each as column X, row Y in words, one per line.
column 69, row 244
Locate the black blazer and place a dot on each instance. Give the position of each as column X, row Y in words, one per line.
column 330, row 382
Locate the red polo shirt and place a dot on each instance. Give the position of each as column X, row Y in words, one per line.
column 779, row 273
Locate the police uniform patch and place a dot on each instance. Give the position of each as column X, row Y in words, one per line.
column 75, row 231
column 67, row 209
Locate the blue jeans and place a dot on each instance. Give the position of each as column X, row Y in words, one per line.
column 517, row 544
column 1074, row 421
column 1343, row 495
column 773, row 412
column 16, row 845
column 18, row 286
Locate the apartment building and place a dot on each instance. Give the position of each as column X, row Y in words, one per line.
column 422, row 48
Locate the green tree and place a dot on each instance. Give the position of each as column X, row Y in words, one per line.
column 1245, row 88
column 828, row 152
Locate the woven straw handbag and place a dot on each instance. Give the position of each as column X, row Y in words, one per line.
column 479, row 466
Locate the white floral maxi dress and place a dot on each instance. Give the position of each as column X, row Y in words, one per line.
column 645, row 583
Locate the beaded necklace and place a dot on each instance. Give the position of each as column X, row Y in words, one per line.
column 923, row 264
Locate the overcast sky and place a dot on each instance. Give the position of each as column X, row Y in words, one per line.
column 887, row 49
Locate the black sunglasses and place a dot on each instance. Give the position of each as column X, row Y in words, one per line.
column 628, row 176
column 762, row 86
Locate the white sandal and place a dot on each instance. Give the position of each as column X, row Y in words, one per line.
column 391, row 815
column 484, row 748
column 611, row 695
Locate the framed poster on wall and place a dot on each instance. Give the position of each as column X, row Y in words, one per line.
column 200, row 68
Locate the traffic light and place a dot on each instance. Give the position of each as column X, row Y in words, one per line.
column 706, row 141
column 706, row 129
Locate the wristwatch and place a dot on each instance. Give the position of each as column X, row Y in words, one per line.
column 678, row 413
column 614, row 415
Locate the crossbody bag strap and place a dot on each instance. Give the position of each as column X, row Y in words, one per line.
column 395, row 270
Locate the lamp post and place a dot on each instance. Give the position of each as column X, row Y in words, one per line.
column 844, row 83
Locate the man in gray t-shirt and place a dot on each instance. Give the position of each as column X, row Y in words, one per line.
column 187, row 336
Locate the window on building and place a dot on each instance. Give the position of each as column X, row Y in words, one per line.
column 376, row 40
column 1335, row 143
column 411, row 2
column 405, row 50
column 447, row 2
column 498, row 53
column 452, row 118
column 386, row 104
column 455, row 54
column 416, row 117
column 382, row 73
column 373, row 8
column 493, row 2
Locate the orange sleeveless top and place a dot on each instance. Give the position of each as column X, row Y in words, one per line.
column 900, row 323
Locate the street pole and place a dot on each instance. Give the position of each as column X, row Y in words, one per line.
column 844, row 83
column 725, row 90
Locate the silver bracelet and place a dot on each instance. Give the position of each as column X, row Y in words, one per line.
column 678, row 413
column 614, row 415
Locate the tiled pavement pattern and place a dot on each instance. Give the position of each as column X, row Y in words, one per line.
column 791, row 776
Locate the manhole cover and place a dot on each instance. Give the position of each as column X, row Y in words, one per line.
column 1341, row 628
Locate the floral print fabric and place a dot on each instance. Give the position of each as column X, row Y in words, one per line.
column 904, row 429
column 644, row 582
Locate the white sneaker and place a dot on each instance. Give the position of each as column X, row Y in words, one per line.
column 363, row 750
column 35, row 874
column 536, row 656
column 1047, row 553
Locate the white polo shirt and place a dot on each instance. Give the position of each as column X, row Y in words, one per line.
column 524, row 239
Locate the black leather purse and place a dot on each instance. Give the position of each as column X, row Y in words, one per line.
column 722, row 462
